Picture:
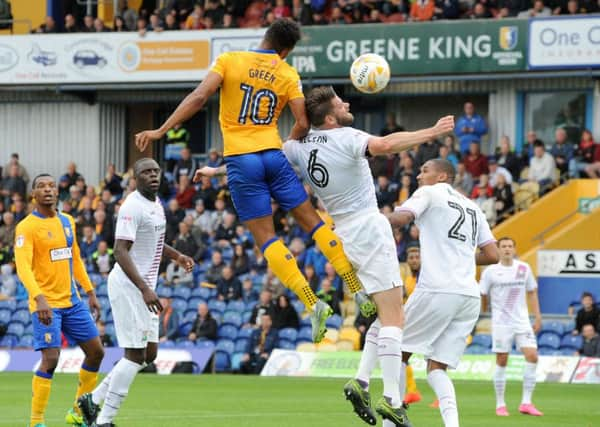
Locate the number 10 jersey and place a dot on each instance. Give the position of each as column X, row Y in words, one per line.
column 256, row 87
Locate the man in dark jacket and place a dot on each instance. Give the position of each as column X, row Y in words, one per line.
column 205, row 326
column 591, row 342
column 588, row 314
column 229, row 287
column 260, row 345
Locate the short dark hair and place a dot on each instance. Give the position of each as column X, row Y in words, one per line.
column 318, row 104
column 538, row 143
column 282, row 34
column 501, row 239
column 137, row 165
column 587, row 294
column 42, row 175
column 443, row 165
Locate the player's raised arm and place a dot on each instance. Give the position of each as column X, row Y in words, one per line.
column 401, row 141
column 190, row 105
column 301, row 125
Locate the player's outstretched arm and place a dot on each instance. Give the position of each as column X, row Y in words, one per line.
column 401, row 141
column 182, row 260
column 488, row 254
column 190, row 105
column 534, row 304
column 209, row 172
column 301, row 125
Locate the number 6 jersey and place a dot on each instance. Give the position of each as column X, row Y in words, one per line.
column 333, row 162
column 256, row 87
column 451, row 227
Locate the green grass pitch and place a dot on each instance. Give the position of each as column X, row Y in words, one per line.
column 231, row 400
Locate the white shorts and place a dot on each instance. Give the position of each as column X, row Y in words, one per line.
column 438, row 325
column 503, row 336
column 369, row 245
column 135, row 325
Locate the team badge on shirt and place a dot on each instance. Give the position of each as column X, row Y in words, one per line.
column 20, row 241
column 48, row 337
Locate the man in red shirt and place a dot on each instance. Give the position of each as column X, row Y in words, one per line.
column 476, row 163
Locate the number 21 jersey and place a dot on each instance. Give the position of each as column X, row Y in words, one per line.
column 451, row 227
column 256, row 87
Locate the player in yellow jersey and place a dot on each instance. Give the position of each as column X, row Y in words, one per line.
column 49, row 265
column 409, row 279
column 255, row 87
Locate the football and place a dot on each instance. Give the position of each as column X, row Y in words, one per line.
column 370, row 73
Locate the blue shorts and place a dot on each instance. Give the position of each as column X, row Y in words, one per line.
column 75, row 322
column 255, row 178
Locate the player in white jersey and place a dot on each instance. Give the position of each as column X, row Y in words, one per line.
column 139, row 247
column 444, row 307
column 332, row 158
column 510, row 284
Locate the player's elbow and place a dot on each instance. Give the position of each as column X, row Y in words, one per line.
column 302, row 125
column 491, row 254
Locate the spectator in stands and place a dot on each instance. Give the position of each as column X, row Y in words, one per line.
column 203, row 219
column 427, row 151
column 19, row 208
column 129, row 16
column 205, row 326
column 311, row 277
column 503, row 197
column 563, row 151
column 316, row 259
column 391, row 124
column 447, row 155
column 496, row 171
column 186, row 165
column 475, row 162
column 591, row 342
column 48, row 27
column 225, row 232
column 104, row 228
column 285, row 314
column 142, row 26
column 584, row 155
column 240, row 262
column 483, row 188
column 22, row 172
column 174, row 215
column 104, row 338
column 171, row 22
column 168, row 321
column 593, row 169
column 108, row 201
column 407, row 187
column 5, row 15
column 572, row 8
column 112, row 181
column 483, row 197
column 99, row 26
column 539, row 10
column 249, row 294
column 337, row 17
column 244, row 237
column 470, row 127
column 588, row 314
column 264, row 306
column 195, row 20
column 541, row 166
column 229, row 287
column 261, row 343
column 13, row 185
column 213, row 273
column 507, row 159
column 176, row 275
column 272, row 284
column 8, row 284
column 480, row 11
column 155, row 23
column 68, row 179
column 185, row 192
column 186, row 244
column 119, row 25
column 527, row 150
column 207, row 193
column 329, row 294
column 422, row 10
column 447, row 9
column 362, row 325
column 88, row 243
column 103, row 259
column 383, row 165
column 88, row 24
column 386, row 191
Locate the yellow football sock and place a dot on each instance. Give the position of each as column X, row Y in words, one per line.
column 40, row 385
column 411, row 384
column 88, row 377
column 331, row 246
column 284, row 266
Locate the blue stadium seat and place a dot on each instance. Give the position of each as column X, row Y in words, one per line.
column 476, row 349
column 299, row 306
column 216, row 305
column 103, row 301
column 205, row 293
column 289, row 334
column 569, row 326
column 109, row 329
column 5, row 316
column 250, row 305
column 182, row 292
column 96, row 278
column 304, row 335
column 554, row 326
column 238, row 306
column 286, row 345
column 8, row 341
column 197, row 292
column 9, row 304
column 202, row 343
column 483, row 340
column 164, row 291
column 305, row 322
column 241, row 344
column 225, row 345
column 26, row 341
column 184, row 329
column 567, row 351
column 546, row 351
column 228, row 331
column 189, row 316
column 193, row 302
column 233, row 318
column 185, row 343
column 245, row 333
column 167, row 344
column 16, row 329
column 574, row 342
column 23, row 304
column 102, row 291
column 236, row 361
column 28, row 329
column 550, row 340
column 334, row 322
column 21, row 316
column 222, row 361
column 179, row 304
column 246, row 316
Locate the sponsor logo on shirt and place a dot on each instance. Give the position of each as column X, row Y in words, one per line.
column 60, row 254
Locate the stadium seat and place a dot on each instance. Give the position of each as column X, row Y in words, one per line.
column 102, row 291
column 203, row 343
column 484, row 326
column 304, row 335
column 15, row 329
column 197, row 292
column 9, row 305
column 26, row 341
column 250, row 305
column 225, row 345
column 204, row 293
column 557, row 327
column 482, row 340
column 236, row 361
column 109, row 328
column 299, row 306
column 326, row 347
column 349, row 320
column 567, row 351
column 233, row 318
column 569, row 326
column 167, row 344
column 334, row 322
column 546, row 351
column 344, row 345
column 21, row 316
column 179, row 304
column 550, row 340
column 246, row 316
column 216, row 305
column 476, row 349
column 5, row 316
column 245, row 333
column 22, row 305
column 184, row 329
column 305, row 322
column 350, row 333
column 574, row 342
column 238, row 306
column 189, row 315
column 103, row 301
column 241, row 344
column 8, row 341
column 331, row 336
column 185, row 343
column 286, row 345
column 222, row 361
column 306, row 347
column 28, row 329
column 193, row 302
column 228, row 332
column 289, row 334
column 164, row 291
column 182, row 292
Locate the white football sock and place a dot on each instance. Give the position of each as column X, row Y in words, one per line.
column 444, row 390
column 388, row 423
column 389, row 351
column 528, row 382
column 500, row 385
column 123, row 375
column 368, row 358
column 99, row 392
column 402, row 381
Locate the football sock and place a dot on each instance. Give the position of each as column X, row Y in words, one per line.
column 404, row 379
column 88, row 377
column 368, row 358
column 122, row 377
column 500, row 385
column 411, row 384
column 331, row 246
column 528, row 382
column 283, row 264
column 99, row 392
column 444, row 390
column 40, row 385
column 389, row 352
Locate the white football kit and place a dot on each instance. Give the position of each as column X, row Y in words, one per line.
column 507, row 287
column 142, row 222
column 444, row 307
column 334, row 163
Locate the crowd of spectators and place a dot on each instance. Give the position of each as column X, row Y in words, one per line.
column 172, row 15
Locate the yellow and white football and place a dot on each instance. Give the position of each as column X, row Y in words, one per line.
column 370, row 73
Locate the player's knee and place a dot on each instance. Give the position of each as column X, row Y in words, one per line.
column 50, row 361
column 97, row 355
column 150, row 357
